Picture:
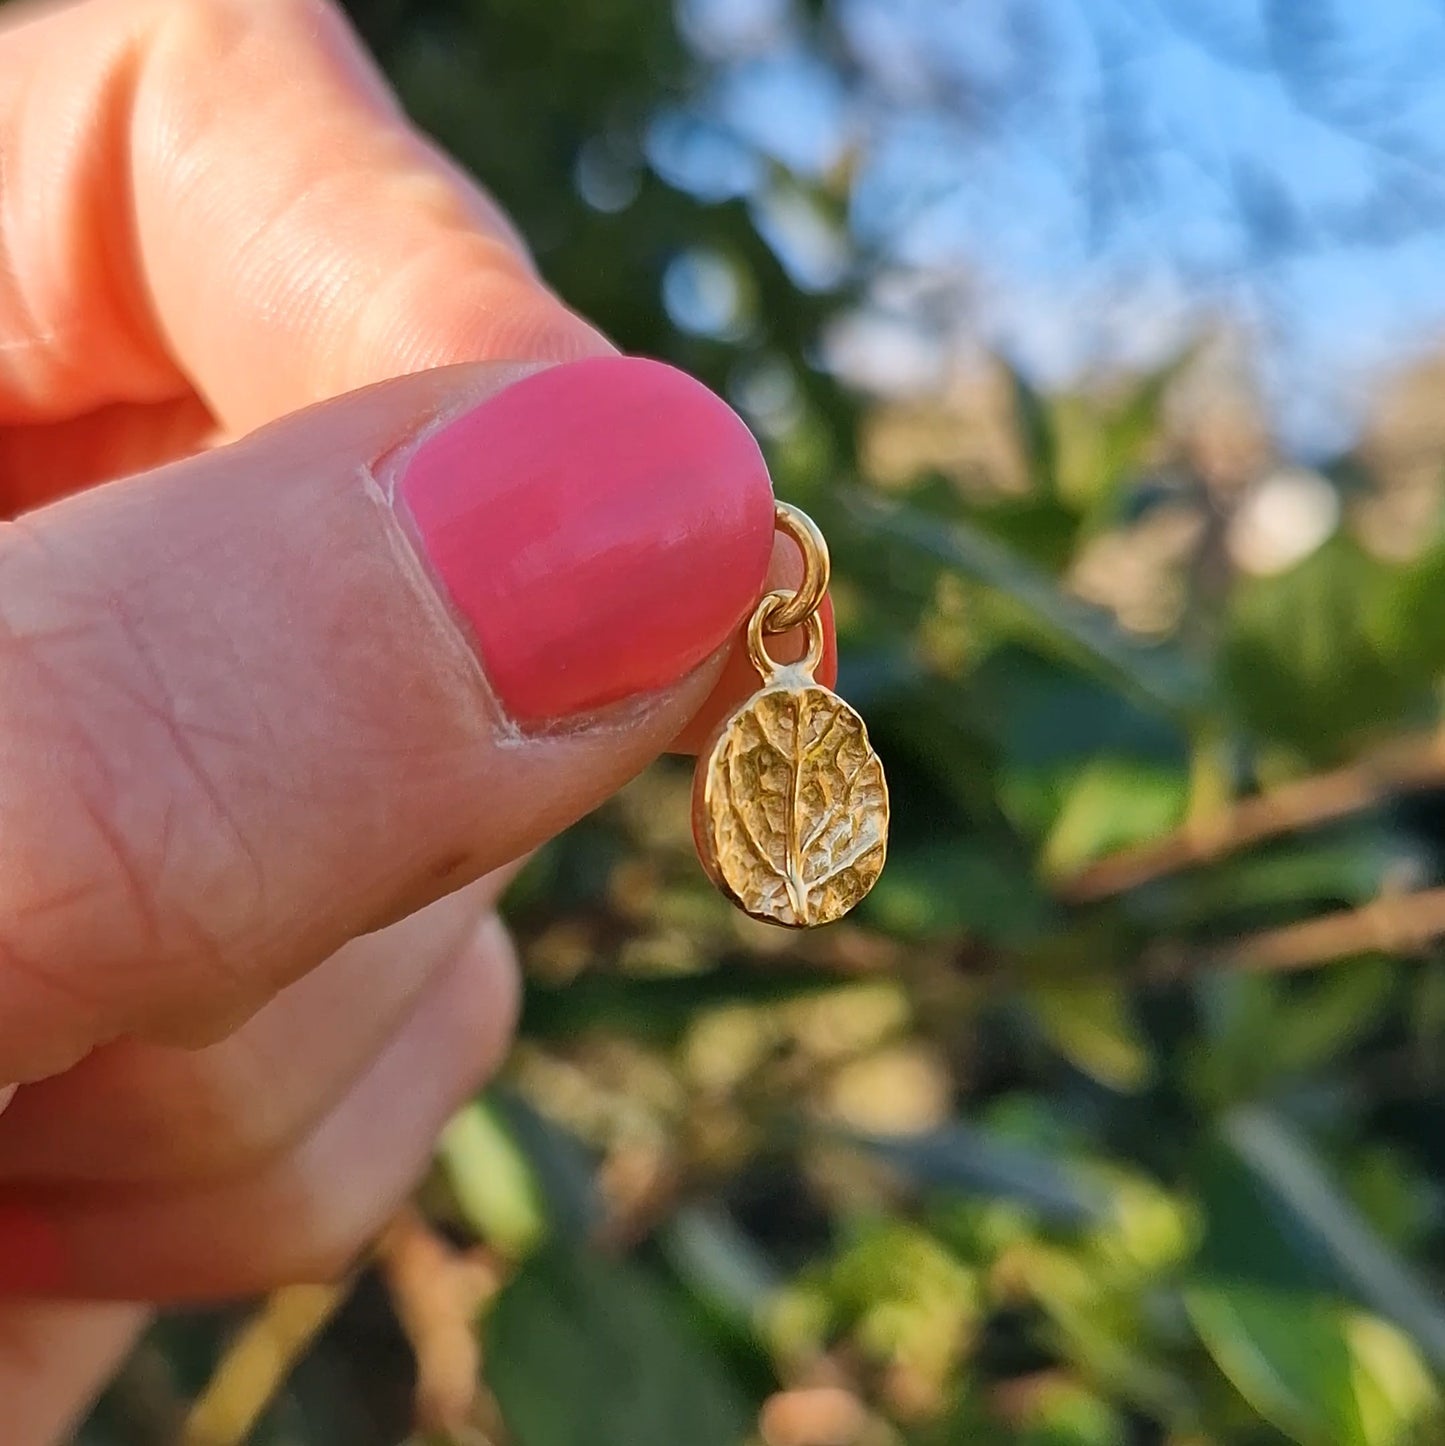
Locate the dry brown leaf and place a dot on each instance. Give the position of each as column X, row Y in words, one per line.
column 438, row 1293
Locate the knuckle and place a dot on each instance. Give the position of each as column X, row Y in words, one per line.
column 217, row 31
column 328, row 1222
column 238, row 1118
column 325, row 1236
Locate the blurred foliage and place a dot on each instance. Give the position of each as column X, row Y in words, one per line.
column 1013, row 1156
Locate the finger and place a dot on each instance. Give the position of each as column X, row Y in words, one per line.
column 261, row 701
column 54, row 1359
column 303, row 1217
column 177, row 219
column 145, row 1113
column 42, row 462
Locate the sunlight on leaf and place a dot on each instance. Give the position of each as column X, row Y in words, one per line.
column 1090, row 1024
column 492, row 1180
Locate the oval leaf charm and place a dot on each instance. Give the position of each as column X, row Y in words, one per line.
column 790, row 806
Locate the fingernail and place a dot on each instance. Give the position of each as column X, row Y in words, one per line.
column 33, row 1260
column 599, row 528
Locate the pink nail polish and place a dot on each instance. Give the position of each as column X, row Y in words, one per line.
column 600, row 528
column 33, row 1259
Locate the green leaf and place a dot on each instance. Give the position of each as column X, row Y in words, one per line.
column 491, row 1180
column 1322, row 1374
column 1129, row 430
column 1330, row 1014
column 1037, row 432
column 1091, row 1025
column 1419, row 624
column 1036, row 527
column 561, row 1166
column 1232, row 1060
column 1304, row 1206
column 1266, row 886
column 1287, row 1355
column 1393, row 1389
column 1261, row 1030
column 1315, row 658
column 1284, row 1258
column 962, row 886
column 1046, row 714
column 1397, row 1199
column 894, row 1290
column 1046, row 614
column 1109, row 804
column 583, row 1350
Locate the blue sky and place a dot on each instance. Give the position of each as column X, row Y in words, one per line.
column 1104, row 172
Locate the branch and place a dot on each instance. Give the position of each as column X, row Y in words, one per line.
column 258, row 1362
column 1395, row 924
column 1309, row 803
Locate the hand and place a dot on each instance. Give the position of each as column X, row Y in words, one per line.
column 279, row 714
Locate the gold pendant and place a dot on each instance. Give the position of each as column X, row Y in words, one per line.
column 789, row 802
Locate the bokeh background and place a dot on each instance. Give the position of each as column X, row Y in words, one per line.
column 1106, row 341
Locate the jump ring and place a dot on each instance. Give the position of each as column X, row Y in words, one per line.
column 801, row 605
column 766, row 611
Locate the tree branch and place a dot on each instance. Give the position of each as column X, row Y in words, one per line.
column 1309, row 803
column 1394, row 924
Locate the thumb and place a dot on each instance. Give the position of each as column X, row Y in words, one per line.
column 260, row 701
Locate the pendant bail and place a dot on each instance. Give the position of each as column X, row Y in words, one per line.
column 799, row 606
column 763, row 622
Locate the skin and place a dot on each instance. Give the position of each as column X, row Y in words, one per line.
column 189, row 253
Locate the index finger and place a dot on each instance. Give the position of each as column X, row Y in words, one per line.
column 223, row 196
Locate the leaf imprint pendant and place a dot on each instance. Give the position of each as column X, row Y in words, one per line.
column 789, row 802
